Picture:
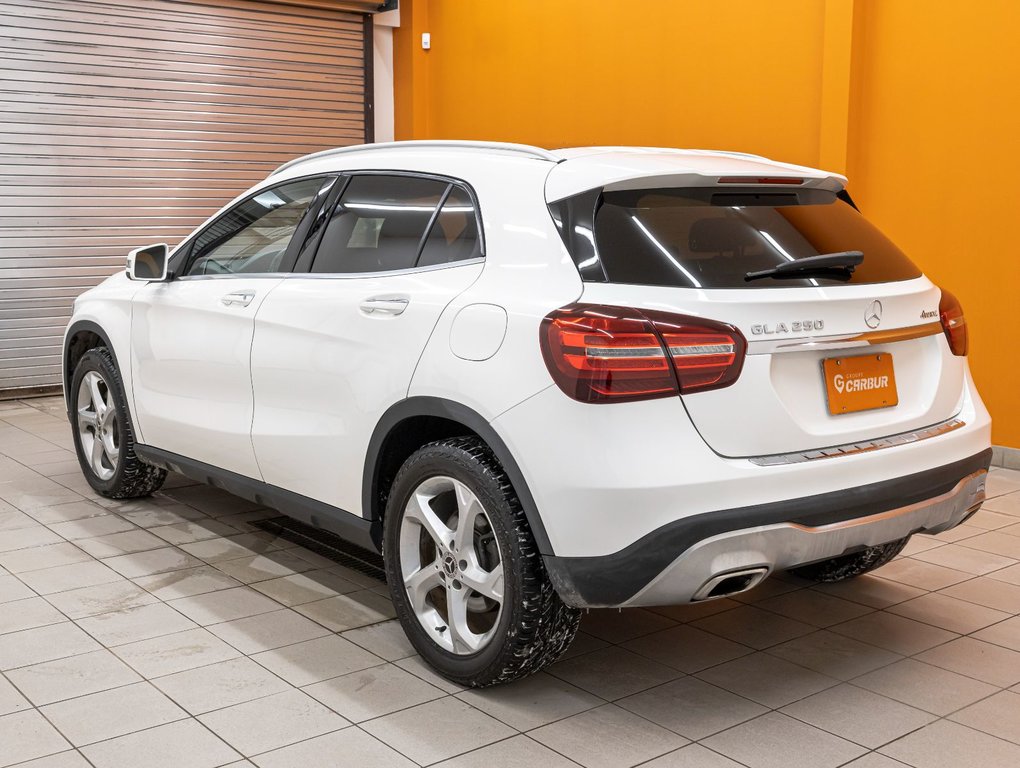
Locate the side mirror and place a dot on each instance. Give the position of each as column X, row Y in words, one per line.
column 149, row 264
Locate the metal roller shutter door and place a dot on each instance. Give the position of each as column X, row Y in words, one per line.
column 127, row 122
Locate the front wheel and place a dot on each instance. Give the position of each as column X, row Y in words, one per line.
column 848, row 566
column 465, row 575
column 102, row 431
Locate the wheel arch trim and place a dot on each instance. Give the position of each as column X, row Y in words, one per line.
column 66, row 374
column 452, row 411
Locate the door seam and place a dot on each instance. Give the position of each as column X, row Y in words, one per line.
column 428, row 341
column 251, row 378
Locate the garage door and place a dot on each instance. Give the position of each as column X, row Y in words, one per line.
column 127, row 122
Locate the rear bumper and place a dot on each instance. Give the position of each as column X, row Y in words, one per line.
column 673, row 563
column 604, row 477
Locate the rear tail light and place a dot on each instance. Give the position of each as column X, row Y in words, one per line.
column 603, row 354
column 704, row 355
column 955, row 327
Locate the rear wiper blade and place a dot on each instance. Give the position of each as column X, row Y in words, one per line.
column 824, row 263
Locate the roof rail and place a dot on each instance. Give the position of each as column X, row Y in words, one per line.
column 521, row 149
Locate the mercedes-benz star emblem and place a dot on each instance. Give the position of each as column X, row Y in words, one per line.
column 873, row 314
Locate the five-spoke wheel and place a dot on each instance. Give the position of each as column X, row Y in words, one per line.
column 468, row 582
column 102, row 430
column 97, row 425
column 453, row 572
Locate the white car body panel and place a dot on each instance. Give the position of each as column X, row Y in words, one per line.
column 191, row 356
column 108, row 307
column 528, row 272
column 324, row 370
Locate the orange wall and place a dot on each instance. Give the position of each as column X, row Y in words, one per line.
column 575, row 72
column 934, row 159
column 887, row 89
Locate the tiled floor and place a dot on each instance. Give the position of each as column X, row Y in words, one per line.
column 172, row 633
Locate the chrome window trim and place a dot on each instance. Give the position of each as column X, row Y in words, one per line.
column 860, row 446
column 235, row 276
column 385, row 273
column 335, row 276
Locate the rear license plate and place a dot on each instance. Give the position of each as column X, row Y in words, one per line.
column 859, row 383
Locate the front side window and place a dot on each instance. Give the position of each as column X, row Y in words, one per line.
column 381, row 223
column 252, row 237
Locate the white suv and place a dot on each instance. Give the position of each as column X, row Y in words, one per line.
column 541, row 381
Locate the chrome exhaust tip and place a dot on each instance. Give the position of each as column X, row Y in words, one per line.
column 730, row 583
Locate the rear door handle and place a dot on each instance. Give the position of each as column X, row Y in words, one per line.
column 238, row 298
column 384, row 305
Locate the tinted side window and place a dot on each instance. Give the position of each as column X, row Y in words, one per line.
column 378, row 224
column 252, row 237
column 454, row 236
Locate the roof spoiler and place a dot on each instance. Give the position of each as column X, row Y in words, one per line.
column 641, row 171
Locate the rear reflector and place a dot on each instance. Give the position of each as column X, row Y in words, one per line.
column 601, row 354
column 953, row 323
column 759, row 180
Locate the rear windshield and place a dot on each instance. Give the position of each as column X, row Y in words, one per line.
column 705, row 237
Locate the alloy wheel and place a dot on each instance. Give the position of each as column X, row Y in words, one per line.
column 451, row 565
column 97, row 425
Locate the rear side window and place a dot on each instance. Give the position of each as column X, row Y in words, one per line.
column 379, row 224
column 454, row 235
column 252, row 237
column 710, row 238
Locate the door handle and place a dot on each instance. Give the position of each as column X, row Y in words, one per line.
column 242, row 298
column 384, row 305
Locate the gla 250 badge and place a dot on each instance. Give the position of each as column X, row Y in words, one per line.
column 797, row 326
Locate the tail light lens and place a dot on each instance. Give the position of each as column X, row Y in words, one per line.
column 705, row 354
column 602, row 354
column 955, row 327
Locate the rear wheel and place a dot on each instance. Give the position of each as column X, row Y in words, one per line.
column 102, row 431
column 847, row 566
column 465, row 575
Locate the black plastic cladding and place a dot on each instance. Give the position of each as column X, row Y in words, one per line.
column 452, row 411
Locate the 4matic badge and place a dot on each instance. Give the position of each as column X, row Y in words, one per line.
column 797, row 326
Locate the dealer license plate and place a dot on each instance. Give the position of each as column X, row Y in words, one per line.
column 860, row 383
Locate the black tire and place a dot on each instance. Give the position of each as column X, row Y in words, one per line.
column 535, row 627
column 848, row 566
column 132, row 477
